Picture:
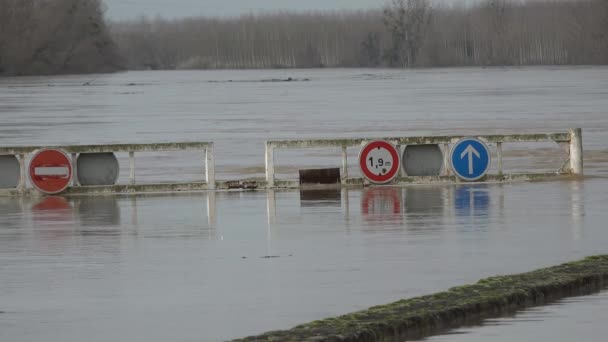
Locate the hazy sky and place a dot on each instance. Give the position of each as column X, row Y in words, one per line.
column 123, row 9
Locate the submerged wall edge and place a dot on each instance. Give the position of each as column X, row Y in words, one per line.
column 427, row 315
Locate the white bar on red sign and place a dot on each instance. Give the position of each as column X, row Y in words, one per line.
column 56, row 171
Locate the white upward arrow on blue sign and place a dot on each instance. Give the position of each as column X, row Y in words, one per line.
column 470, row 151
column 470, row 159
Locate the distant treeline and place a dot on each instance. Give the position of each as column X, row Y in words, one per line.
column 71, row 36
column 55, row 36
column 407, row 33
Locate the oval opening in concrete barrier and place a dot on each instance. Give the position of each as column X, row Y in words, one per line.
column 422, row 160
column 97, row 169
column 9, row 172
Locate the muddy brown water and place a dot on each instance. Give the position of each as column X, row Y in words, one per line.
column 194, row 267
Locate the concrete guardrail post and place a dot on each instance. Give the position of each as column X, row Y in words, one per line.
column 576, row 151
column 269, row 164
column 22, row 173
column 132, row 168
column 210, row 167
column 344, row 163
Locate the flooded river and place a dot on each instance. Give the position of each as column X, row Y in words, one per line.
column 573, row 319
column 215, row 266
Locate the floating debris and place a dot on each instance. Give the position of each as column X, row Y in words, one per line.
column 246, row 185
column 289, row 79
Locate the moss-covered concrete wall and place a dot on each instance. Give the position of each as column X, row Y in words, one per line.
column 420, row 316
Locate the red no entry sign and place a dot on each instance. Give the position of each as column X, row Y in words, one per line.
column 50, row 171
column 379, row 161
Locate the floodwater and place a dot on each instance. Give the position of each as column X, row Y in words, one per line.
column 238, row 110
column 572, row 319
column 215, row 266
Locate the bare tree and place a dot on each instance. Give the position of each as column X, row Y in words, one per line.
column 58, row 36
column 600, row 31
column 371, row 53
column 16, row 27
column 406, row 21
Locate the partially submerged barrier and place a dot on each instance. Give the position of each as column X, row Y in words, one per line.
column 69, row 170
column 571, row 140
column 56, row 169
column 422, row 316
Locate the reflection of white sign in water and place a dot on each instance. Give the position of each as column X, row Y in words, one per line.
column 379, row 161
column 470, row 159
column 381, row 203
column 472, row 200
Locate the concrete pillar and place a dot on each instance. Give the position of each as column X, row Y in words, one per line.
column 22, row 173
column 210, row 167
column 269, row 165
column 499, row 157
column 344, row 164
column 74, row 169
column 446, row 160
column 402, row 172
column 576, row 151
column 132, row 168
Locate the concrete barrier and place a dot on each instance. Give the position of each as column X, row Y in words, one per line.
column 571, row 140
column 131, row 149
column 422, row 316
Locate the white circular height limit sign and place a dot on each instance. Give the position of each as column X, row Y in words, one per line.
column 379, row 161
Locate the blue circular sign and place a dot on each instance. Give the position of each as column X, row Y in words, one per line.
column 470, row 159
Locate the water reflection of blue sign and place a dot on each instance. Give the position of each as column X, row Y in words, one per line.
column 472, row 200
column 470, row 159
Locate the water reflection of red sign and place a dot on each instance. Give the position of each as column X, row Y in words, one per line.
column 52, row 203
column 53, row 217
column 52, row 209
column 379, row 204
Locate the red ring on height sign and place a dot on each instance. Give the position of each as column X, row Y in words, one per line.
column 50, row 171
column 383, row 178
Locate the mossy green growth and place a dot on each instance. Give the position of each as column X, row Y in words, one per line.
column 420, row 316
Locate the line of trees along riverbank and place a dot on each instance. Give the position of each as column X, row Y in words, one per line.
column 407, row 33
column 55, row 36
column 71, row 36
